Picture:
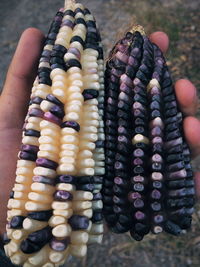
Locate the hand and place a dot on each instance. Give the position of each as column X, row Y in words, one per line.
column 14, row 104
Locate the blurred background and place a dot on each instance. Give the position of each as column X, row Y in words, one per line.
column 180, row 19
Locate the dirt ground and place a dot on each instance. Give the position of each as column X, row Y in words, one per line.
column 180, row 20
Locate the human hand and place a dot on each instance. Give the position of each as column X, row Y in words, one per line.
column 14, row 104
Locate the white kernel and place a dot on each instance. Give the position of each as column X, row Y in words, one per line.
column 98, row 204
column 92, row 137
column 30, row 140
column 91, row 52
column 56, row 72
column 25, row 163
column 48, row 140
column 78, row 83
column 95, row 239
column 86, row 145
column 82, row 195
column 24, row 171
column 65, row 187
column 66, row 168
column 70, row 147
column 21, row 187
column 99, row 170
column 20, row 195
column 50, row 125
column 97, row 229
column 62, row 41
column 24, row 179
column 34, row 206
column 64, row 213
column 88, row 213
column 68, row 130
column 16, row 204
column 33, row 126
column 85, row 154
column 73, row 89
column 59, row 85
column 93, row 101
column 85, row 163
column 51, row 148
column 69, row 56
column 69, row 139
column 41, row 257
column 40, row 187
column 33, row 225
column 61, row 230
column 48, row 155
column 41, row 171
column 50, row 132
column 56, row 220
column 78, row 250
column 40, row 197
column 67, row 160
column 81, row 205
column 19, row 234
column 67, row 153
column 60, row 94
column 46, row 105
column 72, row 116
column 86, row 171
column 79, row 237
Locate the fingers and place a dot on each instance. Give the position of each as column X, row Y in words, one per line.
column 20, row 76
column 187, row 96
column 161, row 40
column 192, row 133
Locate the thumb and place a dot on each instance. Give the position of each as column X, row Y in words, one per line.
column 20, row 76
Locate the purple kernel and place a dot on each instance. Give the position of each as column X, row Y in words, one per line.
column 133, row 195
column 122, row 57
column 36, row 112
column 68, row 23
column 66, row 179
column 30, row 148
column 47, row 163
column 52, row 118
column 158, row 219
column 62, row 195
column 155, row 194
column 54, row 100
column 140, row 216
column 138, row 161
column 75, row 51
column 138, row 153
column 16, row 222
column 78, row 222
column 71, row 124
column 57, row 111
column 125, row 79
column 138, row 203
column 44, row 180
column 27, row 156
column 59, row 245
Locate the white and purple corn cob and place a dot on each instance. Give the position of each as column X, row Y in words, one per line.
column 55, row 208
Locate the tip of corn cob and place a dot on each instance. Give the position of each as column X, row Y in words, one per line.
column 69, row 4
column 138, row 28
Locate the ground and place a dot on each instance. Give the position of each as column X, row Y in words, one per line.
column 180, row 20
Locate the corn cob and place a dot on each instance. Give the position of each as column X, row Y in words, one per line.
column 59, row 171
column 148, row 183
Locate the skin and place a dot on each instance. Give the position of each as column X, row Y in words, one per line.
column 14, row 104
